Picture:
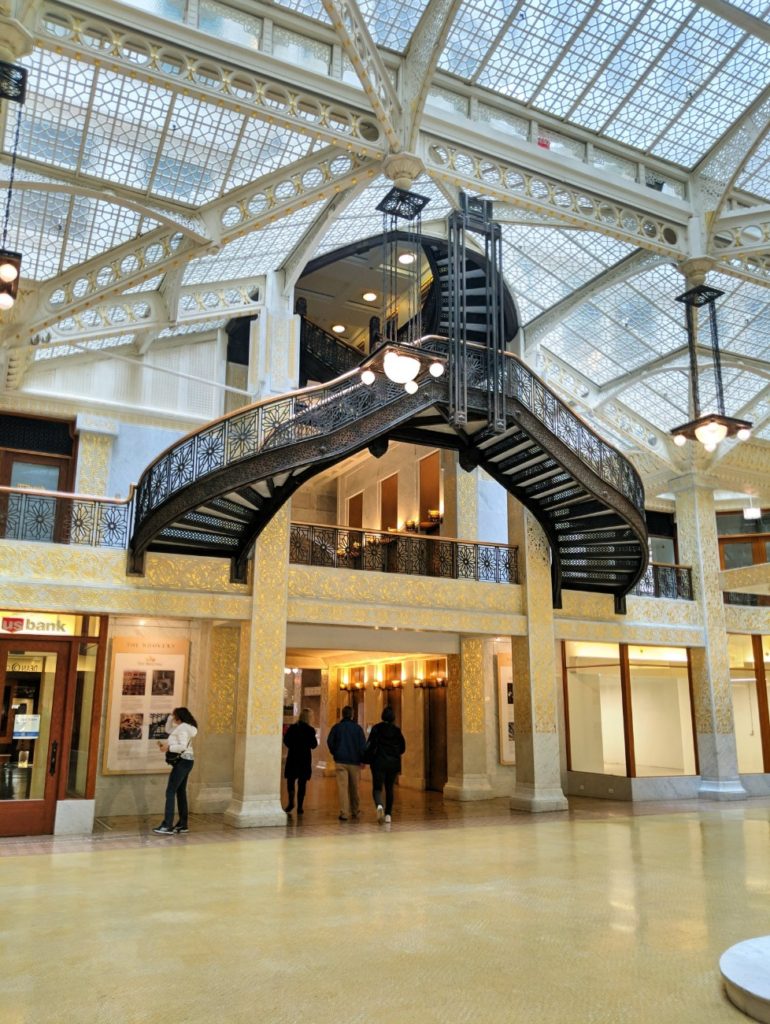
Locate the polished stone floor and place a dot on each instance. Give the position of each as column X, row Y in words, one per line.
column 456, row 913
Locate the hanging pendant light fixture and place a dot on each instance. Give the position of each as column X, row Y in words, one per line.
column 708, row 428
column 13, row 88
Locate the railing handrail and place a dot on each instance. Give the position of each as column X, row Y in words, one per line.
column 70, row 495
column 412, row 534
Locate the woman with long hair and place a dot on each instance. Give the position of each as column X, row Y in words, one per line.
column 181, row 728
column 300, row 738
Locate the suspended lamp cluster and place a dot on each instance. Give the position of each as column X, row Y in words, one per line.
column 401, row 298
column 13, row 89
column 709, row 428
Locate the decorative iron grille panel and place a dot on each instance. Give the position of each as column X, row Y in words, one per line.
column 63, row 520
column 670, row 581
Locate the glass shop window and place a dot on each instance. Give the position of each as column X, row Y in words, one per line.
column 595, row 708
column 746, row 711
column 661, row 711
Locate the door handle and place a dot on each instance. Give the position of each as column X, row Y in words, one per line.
column 52, row 762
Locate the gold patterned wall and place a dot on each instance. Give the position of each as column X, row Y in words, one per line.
column 467, row 504
column 699, row 547
column 94, row 451
column 472, row 674
column 223, row 679
column 268, row 626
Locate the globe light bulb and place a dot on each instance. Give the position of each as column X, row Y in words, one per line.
column 680, row 440
column 711, row 432
column 710, row 446
column 367, row 377
column 743, row 434
column 436, row 369
column 400, row 369
column 8, row 272
column 6, row 300
column 410, row 386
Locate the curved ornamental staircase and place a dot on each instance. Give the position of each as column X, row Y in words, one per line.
column 214, row 491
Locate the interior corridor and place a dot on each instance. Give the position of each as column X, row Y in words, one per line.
column 619, row 913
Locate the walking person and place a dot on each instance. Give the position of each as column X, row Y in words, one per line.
column 182, row 729
column 300, row 739
column 346, row 742
column 384, row 748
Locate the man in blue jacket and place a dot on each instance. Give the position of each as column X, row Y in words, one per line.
column 346, row 742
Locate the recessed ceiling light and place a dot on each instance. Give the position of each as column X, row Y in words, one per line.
column 407, row 258
column 338, row 328
column 369, row 296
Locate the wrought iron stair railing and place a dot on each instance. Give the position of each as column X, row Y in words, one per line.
column 669, row 581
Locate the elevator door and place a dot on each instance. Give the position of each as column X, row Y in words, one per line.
column 33, row 677
column 435, row 739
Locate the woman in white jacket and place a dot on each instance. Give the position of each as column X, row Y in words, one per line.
column 181, row 728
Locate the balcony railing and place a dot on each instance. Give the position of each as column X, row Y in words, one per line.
column 342, row 547
column 747, row 600
column 671, row 581
column 59, row 518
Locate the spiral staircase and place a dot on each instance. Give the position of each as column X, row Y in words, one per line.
column 214, row 491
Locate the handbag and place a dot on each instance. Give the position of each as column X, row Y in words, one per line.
column 173, row 757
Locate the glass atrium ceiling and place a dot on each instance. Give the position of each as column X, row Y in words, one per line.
column 224, row 140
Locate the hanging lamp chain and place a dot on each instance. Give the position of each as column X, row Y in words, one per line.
column 12, row 178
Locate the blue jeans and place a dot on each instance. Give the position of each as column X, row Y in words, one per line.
column 177, row 788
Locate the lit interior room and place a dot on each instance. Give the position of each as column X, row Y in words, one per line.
column 385, row 510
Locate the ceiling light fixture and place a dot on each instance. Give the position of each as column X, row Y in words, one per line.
column 339, row 328
column 369, row 296
column 13, row 87
column 713, row 427
column 406, row 259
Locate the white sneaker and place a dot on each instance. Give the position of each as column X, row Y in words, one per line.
column 380, row 813
column 388, row 819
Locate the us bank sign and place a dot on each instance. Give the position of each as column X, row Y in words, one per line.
column 36, row 623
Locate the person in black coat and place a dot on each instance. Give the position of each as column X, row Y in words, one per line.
column 384, row 748
column 300, row 739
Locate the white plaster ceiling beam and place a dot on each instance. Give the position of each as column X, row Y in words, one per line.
column 421, row 60
column 635, row 263
column 369, row 66
column 266, row 88
column 740, row 18
column 303, row 251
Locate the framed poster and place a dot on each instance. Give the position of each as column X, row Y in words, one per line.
column 147, row 681
column 505, row 708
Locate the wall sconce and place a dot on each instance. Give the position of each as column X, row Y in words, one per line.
column 434, row 515
column 411, row 525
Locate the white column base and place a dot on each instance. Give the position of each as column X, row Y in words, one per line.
column 537, row 799
column 468, row 787
column 210, row 799
column 261, row 813
column 74, row 817
column 721, row 789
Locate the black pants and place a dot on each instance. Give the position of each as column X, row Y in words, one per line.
column 301, row 787
column 176, row 790
column 383, row 777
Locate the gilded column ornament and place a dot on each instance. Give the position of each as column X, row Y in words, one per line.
column 223, row 679
column 466, row 741
column 538, row 767
column 472, row 685
column 710, row 664
column 467, row 505
column 96, row 436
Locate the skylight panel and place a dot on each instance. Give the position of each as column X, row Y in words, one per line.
column 62, row 349
column 94, row 227
column 173, row 10
column 473, row 31
column 264, row 148
column 36, row 228
column 391, row 22
column 310, row 8
column 255, row 253
column 661, row 398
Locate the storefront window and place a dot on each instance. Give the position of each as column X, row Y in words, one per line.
column 595, row 708
column 743, row 681
column 661, row 711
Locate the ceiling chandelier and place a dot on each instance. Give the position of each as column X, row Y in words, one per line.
column 401, row 294
column 710, row 427
column 13, row 87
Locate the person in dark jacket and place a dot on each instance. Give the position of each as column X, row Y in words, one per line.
column 346, row 742
column 384, row 748
column 300, row 738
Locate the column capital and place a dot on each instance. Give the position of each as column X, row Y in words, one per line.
column 695, row 268
column 15, row 40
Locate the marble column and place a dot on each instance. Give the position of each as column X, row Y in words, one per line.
column 538, row 771
column 327, row 717
column 713, row 710
column 211, row 783
column 460, row 494
column 467, row 777
column 274, row 342
column 256, row 798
